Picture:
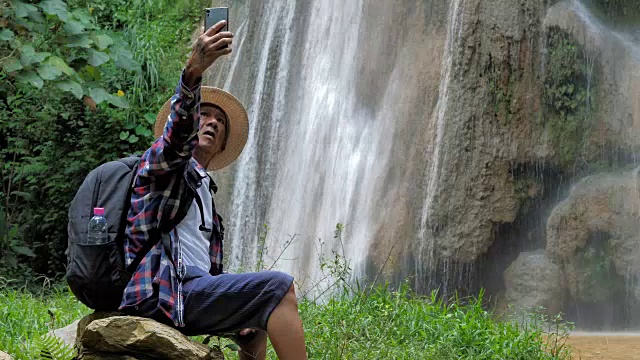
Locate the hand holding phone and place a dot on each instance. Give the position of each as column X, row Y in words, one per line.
column 213, row 43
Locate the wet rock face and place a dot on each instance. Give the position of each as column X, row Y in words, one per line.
column 619, row 10
column 594, row 236
column 533, row 281
column 489, row 124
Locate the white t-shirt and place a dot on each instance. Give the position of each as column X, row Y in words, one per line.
column 193, row 242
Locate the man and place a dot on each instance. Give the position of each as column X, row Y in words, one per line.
column 180, row 280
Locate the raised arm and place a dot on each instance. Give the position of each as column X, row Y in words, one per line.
column 180, row 136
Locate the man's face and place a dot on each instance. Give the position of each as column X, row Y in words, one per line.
column 213, row 128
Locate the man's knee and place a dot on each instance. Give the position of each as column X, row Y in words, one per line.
column 290, row 297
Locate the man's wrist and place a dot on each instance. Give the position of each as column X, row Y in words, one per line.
column 192, row 77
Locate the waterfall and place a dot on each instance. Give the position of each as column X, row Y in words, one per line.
column 425, row 241
column 334, row 154
column 334, row 90
column 245, row 186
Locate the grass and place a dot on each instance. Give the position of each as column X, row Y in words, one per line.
column 26, row 316
column 383, row 324
column 400, row 325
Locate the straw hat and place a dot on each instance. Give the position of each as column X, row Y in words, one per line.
column 236, row 115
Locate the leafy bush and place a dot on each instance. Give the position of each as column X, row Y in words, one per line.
column 80, row 84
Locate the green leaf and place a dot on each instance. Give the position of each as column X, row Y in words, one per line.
column 124, row 135
column 74, row 27
column 102, row 41
column 52, row 347
column 72, row 87
column 23, row 194
column 60, row 64
column 151, row 118
column 82, row 15
column 23, row 250
column 48, row 72
column 98, row 95
column 81, row 40
column 6, row 35
column 10, row 260
column 38, row 17
column 206, row 340
column 56, row 7
column 22, row 9
column 11, row 65
column 118, row 101
column 93, row 72
column 97, row 58
column 232, row 347
column 30, row 77
column 140, row 130
column 124, row 59
column 30, row 56
column 133, row 139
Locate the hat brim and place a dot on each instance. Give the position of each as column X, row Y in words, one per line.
column 236, row 116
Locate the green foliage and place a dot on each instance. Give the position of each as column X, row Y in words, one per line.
column 27, row 316
column 568, row 88
column 388, row 324
column 48, row 42
column 81, row 82
column 53, row 348
column 369, row 324
column 352, row 322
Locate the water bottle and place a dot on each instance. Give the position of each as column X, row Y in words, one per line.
column 97, row 233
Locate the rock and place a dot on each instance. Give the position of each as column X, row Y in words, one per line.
column 5, row 356
column 136, row 337
column 533, row 281
column 495, row 55
column 67, row 334
column 85, row 321
column 593, row 235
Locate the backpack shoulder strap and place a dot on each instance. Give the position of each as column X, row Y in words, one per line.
column 133, row 162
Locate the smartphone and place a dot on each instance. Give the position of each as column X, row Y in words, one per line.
column 215, row 15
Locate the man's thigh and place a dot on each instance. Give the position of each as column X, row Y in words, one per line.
column 228, row 303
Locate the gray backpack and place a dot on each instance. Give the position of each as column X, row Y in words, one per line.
column 96, row 274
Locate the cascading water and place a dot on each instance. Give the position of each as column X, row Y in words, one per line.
column 320, row 144
column 245, row 186
column 425, row 258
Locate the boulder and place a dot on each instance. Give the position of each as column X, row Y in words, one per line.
column 533, row 281
column 593, row 236
column 5, row 356
column 131, row 337
column 67, row 334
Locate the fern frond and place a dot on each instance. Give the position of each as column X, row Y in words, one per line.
column 53, row 348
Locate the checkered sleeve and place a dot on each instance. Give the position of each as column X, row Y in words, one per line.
column 180, row 135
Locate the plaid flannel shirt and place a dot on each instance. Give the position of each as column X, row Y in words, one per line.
column 159, row 188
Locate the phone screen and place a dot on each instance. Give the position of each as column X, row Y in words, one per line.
column 215, row 15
